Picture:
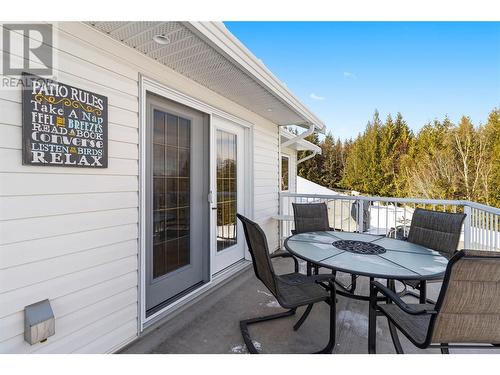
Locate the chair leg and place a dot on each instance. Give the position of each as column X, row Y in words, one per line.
column 372, row 319
column 295, row 265
column 309, row 269
column 392, row 329
column 423, row 291
column 353, row 283
column 417, row 296
column 245, row 323
column 444, row 349
column 421, row 297
column 327, row 349
column 303, row 317
column 348, row 288
column 333, row 321
column 395, row 338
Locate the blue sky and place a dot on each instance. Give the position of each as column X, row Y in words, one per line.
column 343, row 71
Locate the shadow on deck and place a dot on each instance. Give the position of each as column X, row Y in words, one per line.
column 212, row 324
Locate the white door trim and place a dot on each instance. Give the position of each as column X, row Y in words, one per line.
column 149, row 85
column 227, row 257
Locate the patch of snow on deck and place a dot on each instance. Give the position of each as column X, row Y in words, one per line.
column 239, row 349
column 257, row 345
column 265, row 293
column 242, row 349
column 355, row 321
column 273, row 304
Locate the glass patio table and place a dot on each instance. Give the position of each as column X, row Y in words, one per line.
column 368, row 255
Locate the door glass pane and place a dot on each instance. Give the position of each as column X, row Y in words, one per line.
column 184, row 132
column 284, row 173
column 171, row 191
column 159, row 128
column 226, row 190
column 171, row 131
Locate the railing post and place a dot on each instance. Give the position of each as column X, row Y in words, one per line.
column 280, row 222
column 360, row 216
column 467, row 226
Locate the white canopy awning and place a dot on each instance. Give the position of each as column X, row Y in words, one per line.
column 299, row 145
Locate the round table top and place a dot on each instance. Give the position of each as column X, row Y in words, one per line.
column 368, row 255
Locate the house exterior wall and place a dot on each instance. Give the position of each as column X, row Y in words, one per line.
column 71, row 234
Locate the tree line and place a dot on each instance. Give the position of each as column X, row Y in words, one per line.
column 442, row 160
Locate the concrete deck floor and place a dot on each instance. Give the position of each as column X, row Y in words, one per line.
column 211, row 325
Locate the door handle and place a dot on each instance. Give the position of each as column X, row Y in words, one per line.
column 211, row 199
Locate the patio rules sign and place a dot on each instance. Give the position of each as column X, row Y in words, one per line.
column 63, row 125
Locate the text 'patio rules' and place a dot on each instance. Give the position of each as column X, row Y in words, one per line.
column 63, row 125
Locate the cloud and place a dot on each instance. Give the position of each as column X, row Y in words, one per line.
column 350, row 75
column 313, row 96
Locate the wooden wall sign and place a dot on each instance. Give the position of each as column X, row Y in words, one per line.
column 63, row 125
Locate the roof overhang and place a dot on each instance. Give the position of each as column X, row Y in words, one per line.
column 209, row 54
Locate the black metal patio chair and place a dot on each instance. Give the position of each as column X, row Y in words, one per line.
column 291, row 290
column 310, row 217
column 466, row 314
column 313, row 217
column 435, row 230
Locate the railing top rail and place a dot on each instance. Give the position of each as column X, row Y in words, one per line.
column 483, row 207
column 374, row 198
column 478, row 206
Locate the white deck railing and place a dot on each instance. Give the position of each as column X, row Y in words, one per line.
column 392, row 216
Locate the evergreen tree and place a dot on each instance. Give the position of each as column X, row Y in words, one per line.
column 311, row 169
column 442, row 161
column 491, row 173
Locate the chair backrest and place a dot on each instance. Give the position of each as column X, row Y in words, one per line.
column 439, row 231
column 468, row 305
column 257, row 245
column 310, row 217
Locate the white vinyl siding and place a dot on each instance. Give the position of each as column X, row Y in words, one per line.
column 71, row 234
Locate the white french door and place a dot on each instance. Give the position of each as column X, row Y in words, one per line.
column 228, row 192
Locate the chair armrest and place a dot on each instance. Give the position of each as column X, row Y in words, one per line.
column 281, row 254
column 399, row 302
column 322, row 278
column 335, row 229
column 286, row 254
column 298, row 278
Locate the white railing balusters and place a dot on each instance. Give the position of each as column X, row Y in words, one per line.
column 481, row 226
column 378, row 217
column 341, row 216
column 480, row 231
column 467, row 227
column 360, row 216
column 395, row 219
column 496, row 230
column 386, row 219
column 404, row 220
column 490, row 230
